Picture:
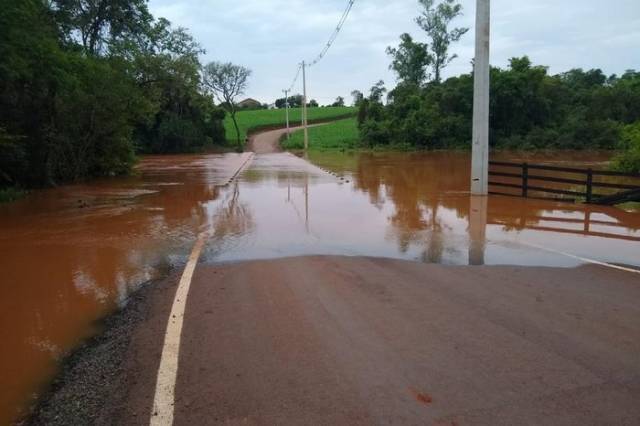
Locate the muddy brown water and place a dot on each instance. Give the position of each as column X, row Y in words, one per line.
column 70, row 255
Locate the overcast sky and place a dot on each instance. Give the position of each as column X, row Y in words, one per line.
column 272, row 36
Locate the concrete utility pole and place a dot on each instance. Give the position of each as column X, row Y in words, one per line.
column 480, row 145
column 305, row 121
column 286, row 108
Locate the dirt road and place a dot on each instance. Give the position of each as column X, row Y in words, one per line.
column 269, row 142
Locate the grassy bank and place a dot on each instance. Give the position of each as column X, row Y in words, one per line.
column 339, row 135
column 250, row 121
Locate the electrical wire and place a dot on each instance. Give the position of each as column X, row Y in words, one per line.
column 326, row 48
column 295, row 79
column 334, row 35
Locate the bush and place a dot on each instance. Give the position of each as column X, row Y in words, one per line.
column 11, row 194
column 629, row 160
column 13, row 159
column 375, row 133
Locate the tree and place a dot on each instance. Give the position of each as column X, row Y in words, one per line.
column 312, row 104
column 102, row 23
column 377, row 91
column 295, row 101
column 166, row 67
column 357, row 97
column 73, row 113
column 227, row 81
column 339, row 102
column 410, row 60
column 435, row 22
column 84, row 84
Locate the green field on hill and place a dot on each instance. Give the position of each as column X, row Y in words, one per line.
column 249, row 121
column 338, row 135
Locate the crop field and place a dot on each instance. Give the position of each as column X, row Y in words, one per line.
column 338, row 135
column 254, row 120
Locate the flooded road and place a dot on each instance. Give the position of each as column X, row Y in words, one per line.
column 71, row 255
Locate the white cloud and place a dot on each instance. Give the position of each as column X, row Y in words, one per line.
column 272, row 36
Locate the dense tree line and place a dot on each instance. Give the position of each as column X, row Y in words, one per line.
column 529, row 108
column 295, row 101
column 85, row 85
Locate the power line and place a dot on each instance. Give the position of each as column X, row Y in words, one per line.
column 304, row 65
column 326, row 48
column 334, row 35
column 295, row 79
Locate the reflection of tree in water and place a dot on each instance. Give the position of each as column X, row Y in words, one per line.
column 232, row 218
column 421, row 185
column 417, row 184
column 434, row 249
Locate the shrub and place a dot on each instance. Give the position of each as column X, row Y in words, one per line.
column 629, row 159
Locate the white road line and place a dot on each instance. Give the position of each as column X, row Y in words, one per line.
column 248, row 157
column 583, row 259
column 164, row 399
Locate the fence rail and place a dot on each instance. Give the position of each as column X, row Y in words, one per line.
column 588, row 182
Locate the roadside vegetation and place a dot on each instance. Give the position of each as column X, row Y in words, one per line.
column 11, row 194
column 530, row 108
column 86, row 85
column 338, row 135
column 253, row 120
column 629, row 159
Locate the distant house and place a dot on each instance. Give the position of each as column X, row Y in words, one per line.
column 249, row 104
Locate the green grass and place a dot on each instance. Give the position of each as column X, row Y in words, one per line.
column 11, row 194
column 250, row 121
column 339, row 135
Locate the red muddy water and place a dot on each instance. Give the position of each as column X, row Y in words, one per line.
column 70, row 255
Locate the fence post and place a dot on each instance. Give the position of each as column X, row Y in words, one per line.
column 589, row 185
column 525, row 180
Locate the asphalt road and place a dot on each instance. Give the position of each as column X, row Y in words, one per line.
column 340, row 340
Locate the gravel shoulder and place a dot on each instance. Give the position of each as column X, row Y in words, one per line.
column 91, row 386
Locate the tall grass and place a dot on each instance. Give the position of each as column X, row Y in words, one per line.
column 337, row 135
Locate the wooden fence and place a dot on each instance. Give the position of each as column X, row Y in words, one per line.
column 582, row 184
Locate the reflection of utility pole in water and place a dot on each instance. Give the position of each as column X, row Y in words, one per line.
column 305, row 191
column 306, row 202
column 477, row 229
